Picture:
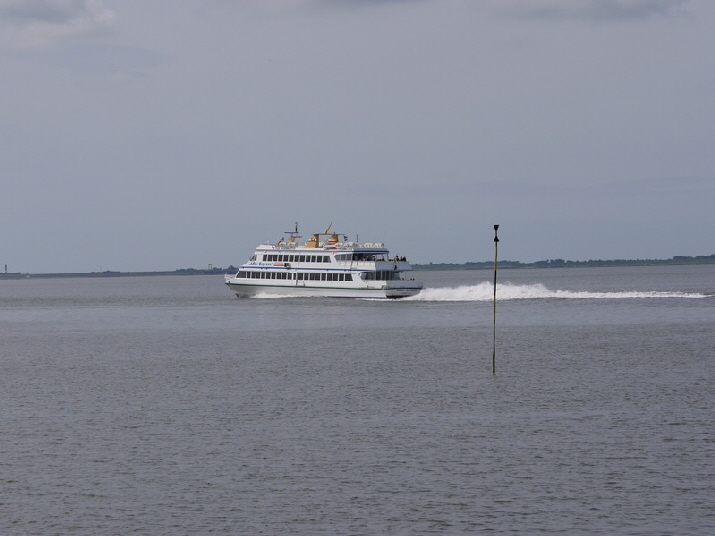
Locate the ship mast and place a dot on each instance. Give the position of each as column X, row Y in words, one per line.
column 293, row 234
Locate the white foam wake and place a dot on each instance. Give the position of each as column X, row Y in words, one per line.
column 508, row 291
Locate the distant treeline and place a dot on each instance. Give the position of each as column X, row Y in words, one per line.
column 561, row 263
column 112, row 273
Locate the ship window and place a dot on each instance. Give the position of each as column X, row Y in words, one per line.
column 348, row 277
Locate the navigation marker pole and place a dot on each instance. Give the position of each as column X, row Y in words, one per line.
column 494, row 302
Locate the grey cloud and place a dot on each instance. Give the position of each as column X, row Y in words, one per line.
column 40, row 10
column 590, row 9
column 35, row 22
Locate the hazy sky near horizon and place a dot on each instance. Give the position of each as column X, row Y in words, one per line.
column 153, row 135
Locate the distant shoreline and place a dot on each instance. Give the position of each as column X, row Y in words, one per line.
column 485, row 265
column 561, row 263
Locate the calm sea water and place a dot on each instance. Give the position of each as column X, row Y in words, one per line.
column 165, row 405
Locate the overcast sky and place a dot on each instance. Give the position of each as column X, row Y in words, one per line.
column 155, row 135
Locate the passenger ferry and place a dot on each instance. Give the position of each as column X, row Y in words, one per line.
column 332, row 268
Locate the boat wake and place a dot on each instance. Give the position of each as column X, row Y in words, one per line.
column 508, row 291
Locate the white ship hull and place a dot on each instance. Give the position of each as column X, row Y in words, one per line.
column 243, row 289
